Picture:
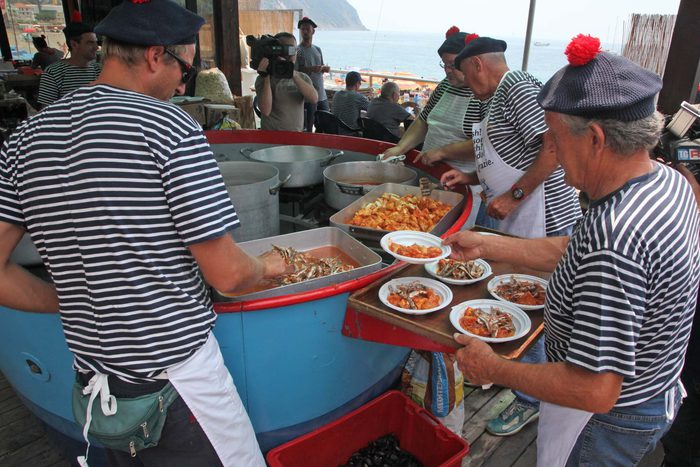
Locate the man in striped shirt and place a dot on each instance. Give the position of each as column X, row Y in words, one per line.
column 621, row 299
column 74, row 72
column 349, row 103
column 122, row 197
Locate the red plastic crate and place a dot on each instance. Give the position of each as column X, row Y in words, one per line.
column 416, row 429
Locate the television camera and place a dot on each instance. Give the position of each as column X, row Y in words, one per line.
column 267, row 46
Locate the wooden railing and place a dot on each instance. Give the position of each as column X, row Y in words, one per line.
column 371, row 75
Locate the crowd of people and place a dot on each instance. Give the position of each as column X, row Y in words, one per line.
column 607, row 378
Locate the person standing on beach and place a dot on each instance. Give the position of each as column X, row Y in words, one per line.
column 310, row 61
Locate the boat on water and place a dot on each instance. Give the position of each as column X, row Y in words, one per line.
column 541, row 44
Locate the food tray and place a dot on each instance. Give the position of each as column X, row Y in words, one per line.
column 368, row 261
column 341, row 218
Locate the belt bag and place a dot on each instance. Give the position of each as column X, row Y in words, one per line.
column 124, row 424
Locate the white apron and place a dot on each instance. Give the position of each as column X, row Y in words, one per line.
column 557, row 432
column 445, row 127
column 496, row 177
column 206, row 386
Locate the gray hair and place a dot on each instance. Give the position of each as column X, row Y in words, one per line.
column 132, row 54
column 624, row 138
column 388, row 89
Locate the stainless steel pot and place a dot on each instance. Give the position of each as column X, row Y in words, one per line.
column 304, row 163
column 345, row 182
column 253, row 188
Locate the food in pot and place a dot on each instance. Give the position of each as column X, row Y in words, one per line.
column 521, row 292
column 494, row 323
column 415, row 250
column 413, row 296
column 393, row 212
column 307, row 267
column 461, row 270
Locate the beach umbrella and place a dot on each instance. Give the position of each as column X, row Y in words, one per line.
column 29, row 30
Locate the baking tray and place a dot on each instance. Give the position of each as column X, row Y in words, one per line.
column 341, row 218
column 368, row 261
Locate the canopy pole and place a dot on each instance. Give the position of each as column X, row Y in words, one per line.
column 528, row 34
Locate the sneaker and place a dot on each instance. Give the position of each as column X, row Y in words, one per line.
column 513, row 418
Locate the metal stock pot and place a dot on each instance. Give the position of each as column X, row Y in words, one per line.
column 304, row 163
column 345, row 182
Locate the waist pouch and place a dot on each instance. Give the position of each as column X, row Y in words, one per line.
column 127, row 424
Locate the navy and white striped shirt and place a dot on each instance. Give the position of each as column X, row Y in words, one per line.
column 475, row 108
column 61, row 78
column 113, row 186
column 623, row 296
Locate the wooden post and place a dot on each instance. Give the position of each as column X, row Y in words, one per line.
column 682, row 72
column 228, row 52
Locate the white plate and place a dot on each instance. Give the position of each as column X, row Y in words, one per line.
column 432, row 270
column 441, row 289
column 409, row 237
column 505, row 278
column 520, row 319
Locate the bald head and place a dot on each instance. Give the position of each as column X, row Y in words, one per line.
column 389, row 89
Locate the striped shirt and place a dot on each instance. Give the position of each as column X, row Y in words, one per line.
column 515, row 127
column 347, row 106
column 113, row 186
column 61, row 78
column 622, row 298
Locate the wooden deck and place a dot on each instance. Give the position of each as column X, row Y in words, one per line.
column 23, row 440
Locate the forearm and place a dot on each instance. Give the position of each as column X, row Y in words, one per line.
column 265, row 100
column 306, row 89
column 544, row 164
column 540, row 254
column 21, row 290
column 225, row 266
column 463, row 150
column 414, row 136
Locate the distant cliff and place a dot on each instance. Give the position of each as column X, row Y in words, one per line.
column 328, row 14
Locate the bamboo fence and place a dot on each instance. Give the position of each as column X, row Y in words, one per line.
column 648, row 39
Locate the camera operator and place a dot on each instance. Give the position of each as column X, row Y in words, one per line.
column 281, row 99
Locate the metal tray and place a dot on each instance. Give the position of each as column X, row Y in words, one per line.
column 368, row 261
column 341, row 218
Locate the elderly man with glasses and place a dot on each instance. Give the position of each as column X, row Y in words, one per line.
column 120, row 192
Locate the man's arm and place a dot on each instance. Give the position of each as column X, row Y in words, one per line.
column 305, row 87
column 18, row 288
column 263, row 88
column 414, row 136
column 462, row 150
column 560, row 383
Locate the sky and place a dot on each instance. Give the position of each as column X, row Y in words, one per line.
column 554, row 19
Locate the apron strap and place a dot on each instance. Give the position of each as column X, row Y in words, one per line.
column 98, row 385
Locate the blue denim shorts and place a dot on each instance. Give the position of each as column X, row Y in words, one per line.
column 624, row 435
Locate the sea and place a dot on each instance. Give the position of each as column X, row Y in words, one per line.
column 391, row 51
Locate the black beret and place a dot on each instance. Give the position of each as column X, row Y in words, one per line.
column 454, row 41
column 479, row 46
column 306, row 19
column 600, row 85
column 150, row 22
column 75, row 30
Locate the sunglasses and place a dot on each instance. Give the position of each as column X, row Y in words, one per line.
column 188, row 70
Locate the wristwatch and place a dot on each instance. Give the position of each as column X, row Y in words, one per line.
column 517, row 192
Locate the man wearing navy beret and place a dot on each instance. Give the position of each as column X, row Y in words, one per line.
column 622, row 294
column 120, row 192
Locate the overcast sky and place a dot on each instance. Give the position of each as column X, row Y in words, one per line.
column 554, row 19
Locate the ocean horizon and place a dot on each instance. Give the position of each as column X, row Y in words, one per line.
column 392, row 51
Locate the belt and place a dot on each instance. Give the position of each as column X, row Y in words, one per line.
column 120, row 388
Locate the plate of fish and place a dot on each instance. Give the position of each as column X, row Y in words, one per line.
column 415, row 295
column 452, row 271
column 522, row 290
column 414, row 247
column 490, row 320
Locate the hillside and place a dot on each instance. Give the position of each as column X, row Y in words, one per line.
column 328, row 14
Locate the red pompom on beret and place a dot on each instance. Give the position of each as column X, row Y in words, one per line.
column 582, row 49
column 452, row 30
column 470, row 37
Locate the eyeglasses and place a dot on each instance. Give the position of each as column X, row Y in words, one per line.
column 188, row 70
column 446, row 66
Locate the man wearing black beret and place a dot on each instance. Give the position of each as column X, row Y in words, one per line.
column 78, row 70
column 310, row 61
column 120, row 192
column 622, row 294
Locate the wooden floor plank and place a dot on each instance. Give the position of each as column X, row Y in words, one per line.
column 18, row 434
column 529, row 457
column 483, row 411
column 499, row 451
column 39, row 452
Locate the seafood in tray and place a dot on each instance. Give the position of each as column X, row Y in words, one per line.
column 415, row 295
column 490, row 320
column 528, row 292
column 308, row 267
column 392, row 212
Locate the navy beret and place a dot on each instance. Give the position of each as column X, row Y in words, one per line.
column 454, row 41
column 306, row 19
column 150, row 22
column 479, row 46
column 600, row 85
column 75, row 30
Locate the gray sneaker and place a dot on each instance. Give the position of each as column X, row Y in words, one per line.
column 513, row 418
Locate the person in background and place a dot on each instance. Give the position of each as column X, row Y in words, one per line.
column 622, row 295
column 348, row 104
column 46, row 55
column 386, row 110
column 281, row 100
column 128, row 208
column 682, row 442
column 310, row 61
column 74, row 72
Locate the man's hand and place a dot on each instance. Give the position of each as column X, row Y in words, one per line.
column 262, row 66
column 501, row 206
column 455, row 177
column 274, row 264
column 466, row 245
column 476, row 359
column 325, row 69
column 391, row 152
column 429, row 157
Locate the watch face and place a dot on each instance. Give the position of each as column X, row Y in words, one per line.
column 518, row 193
